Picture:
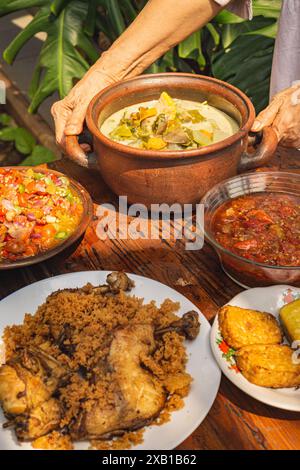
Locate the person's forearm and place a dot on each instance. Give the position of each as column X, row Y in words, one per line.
column 161, row 25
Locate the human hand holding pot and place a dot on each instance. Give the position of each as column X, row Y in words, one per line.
column 283, row 116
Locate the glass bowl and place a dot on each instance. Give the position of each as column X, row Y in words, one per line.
column 245, row 272
column 74, row 237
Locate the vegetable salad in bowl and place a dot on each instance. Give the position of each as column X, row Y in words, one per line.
column 38, row 211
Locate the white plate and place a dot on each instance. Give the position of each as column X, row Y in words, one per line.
column 201, row 364
column 265, row 299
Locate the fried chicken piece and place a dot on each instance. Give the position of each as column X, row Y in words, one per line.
column 12, row 391
column 40, row 421
column 269, row 365
column 53, row 441
column 27, row 384
column 118, row 281
column 20, row 390
column 143, row 394
column 139, row 397
column 242, row 327
column 188, row 326
column 28, row 380
column 115, row 282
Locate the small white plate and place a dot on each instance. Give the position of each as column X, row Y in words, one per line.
column 201, row 364
column 265, row 299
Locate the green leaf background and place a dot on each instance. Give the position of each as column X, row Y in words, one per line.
column 39, row 156
column 228, row 48
column 24, row 143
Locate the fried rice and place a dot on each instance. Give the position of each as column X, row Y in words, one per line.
column 92, row 318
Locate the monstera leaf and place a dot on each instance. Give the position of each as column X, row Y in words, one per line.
column 230, row 32
column 247, row 66
column 60, row 61
column 38, row 24
column 9, row 6
column 267, row 8
column 66, row 54
column 72, row 26
column 245, row 60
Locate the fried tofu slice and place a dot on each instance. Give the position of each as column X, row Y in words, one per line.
column 242, row 327
column 269, row 365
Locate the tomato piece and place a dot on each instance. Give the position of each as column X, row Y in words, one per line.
column 246, row 244
column 3, row 232
column 31, row 250
column 31, row 187
column 260, row 215
column 48, row 231
column 15, row 247
column 23, row 200
column 287, row 211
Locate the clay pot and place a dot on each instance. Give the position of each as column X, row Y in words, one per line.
column 148, row 176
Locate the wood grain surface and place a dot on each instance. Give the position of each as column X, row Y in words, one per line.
column 235, row 421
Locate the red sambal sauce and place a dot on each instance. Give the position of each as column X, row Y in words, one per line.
column 263, row 227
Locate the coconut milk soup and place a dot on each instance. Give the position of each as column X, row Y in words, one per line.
column 169, row 124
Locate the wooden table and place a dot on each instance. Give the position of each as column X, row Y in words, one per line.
column 235, row 421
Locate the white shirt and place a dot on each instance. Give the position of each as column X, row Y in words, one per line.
column 242, row 8
column 286, row 60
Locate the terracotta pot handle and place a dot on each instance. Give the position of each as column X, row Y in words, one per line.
column 74, row 152
column 264, row 151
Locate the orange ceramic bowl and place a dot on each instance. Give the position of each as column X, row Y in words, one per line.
column 156, row 176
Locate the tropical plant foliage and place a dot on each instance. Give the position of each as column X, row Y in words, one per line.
column 30, row 152
column 245, row 56
column 229, row 48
